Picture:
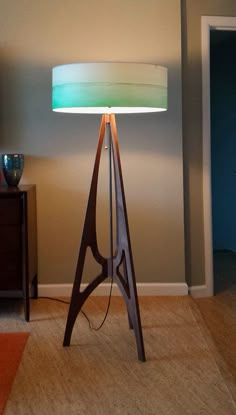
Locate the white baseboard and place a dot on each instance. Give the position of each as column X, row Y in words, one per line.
column 199, row 291
column 144, row 289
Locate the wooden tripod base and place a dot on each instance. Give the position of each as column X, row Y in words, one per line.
column 118, row 266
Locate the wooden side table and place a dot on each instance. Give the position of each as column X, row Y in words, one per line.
column 18, row 243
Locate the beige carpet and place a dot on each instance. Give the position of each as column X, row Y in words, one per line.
column 218, row 316
column 99, row 374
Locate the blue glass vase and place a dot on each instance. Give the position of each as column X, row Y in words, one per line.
column 12, row 167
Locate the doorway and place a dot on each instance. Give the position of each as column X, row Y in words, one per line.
column 223, row 156
column 211, row 24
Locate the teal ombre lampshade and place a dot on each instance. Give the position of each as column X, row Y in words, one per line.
column 109, row 88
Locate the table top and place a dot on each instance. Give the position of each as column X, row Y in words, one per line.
column 16, row 189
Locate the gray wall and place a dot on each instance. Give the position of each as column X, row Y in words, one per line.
column 192, row 10
column 60, row 148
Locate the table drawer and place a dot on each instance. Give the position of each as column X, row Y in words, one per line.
column 10, row 210
column 10, row 239
column 10, row 272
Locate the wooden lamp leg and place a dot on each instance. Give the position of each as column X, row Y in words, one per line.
column 123, row 257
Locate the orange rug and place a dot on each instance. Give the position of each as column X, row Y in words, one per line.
column 11, row 349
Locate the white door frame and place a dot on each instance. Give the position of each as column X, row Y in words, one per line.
column 209, row 23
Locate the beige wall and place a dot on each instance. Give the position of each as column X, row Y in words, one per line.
column 59, row 149
column 192, row 11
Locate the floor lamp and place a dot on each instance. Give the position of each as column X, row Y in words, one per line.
column 108, row 88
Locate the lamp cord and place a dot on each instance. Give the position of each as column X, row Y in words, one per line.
column 83, row 312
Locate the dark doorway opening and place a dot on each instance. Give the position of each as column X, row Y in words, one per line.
column 223, row 156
